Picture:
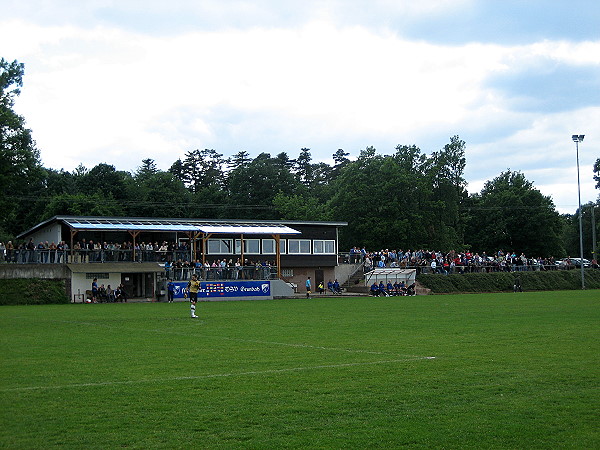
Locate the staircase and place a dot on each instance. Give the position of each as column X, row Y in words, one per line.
column 356, row 282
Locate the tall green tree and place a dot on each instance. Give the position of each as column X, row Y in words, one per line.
column 203, row 169
column 21, row 172
column 159, row 194
column 380, row 198
column 253, row 187
column 511, row 214
column 105, row 179
column 445, row 171
column 146, row 170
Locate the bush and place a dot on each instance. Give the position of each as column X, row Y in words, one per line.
column 504, row 281
column 32, row 291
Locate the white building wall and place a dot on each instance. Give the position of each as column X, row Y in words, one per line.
column 50, row 234
column 80, row 283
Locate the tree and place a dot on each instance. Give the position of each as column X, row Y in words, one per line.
column 106, row 180
column 240, row 160
column 21, row 172
column 95, row 204
column 203, row 169
column 445, row 171
column 512, row 215
column 300, row 207
column 177, row 170
column 159, row 194
column 340, row 158
column 381, row 198
column 303, row 167
column 252, row 188
column 146, row 170
column 571, row 231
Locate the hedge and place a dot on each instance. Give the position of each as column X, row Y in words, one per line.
column 554, row 280
column 32, row 291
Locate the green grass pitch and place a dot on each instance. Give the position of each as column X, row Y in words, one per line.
column 455, row 371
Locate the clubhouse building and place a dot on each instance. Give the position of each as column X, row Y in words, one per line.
column 233, row 258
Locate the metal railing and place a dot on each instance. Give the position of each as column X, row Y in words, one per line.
column 239, row 273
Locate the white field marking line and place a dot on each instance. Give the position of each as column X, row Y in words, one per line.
column 216, row 375
column 252, row 341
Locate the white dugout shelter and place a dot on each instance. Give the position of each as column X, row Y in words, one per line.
column 408, row 276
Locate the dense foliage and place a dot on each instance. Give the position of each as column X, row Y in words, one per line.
column 32, row 292
column 408, row 199
column 554, row 280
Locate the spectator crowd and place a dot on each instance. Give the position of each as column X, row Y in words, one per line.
column 428, row 261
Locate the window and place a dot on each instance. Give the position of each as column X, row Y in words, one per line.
column 251, row 246
column 288, row 273
column 100, row 276
column 324, row 247
column 219, row 247
column 299, row 246
column 269, row 246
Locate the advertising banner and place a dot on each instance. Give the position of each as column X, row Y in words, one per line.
column 224, row 289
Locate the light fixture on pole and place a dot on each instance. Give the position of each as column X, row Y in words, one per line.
column 577, row 138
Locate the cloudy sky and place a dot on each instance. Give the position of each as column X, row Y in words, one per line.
column 118, row 81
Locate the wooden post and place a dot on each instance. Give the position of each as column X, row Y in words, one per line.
column 134, row 234
column 205, row 246
column 278, row 254
column 73, row 233
column 242, row 248
column 196, row 236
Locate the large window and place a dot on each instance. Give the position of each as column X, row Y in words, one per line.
column 324, row 247
column 219, row 247
column 298, row 246
column 269, row 246
column 251, row 246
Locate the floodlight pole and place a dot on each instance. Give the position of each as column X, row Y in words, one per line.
column 577, row 139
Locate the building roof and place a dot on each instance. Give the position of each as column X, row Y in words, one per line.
column 208, row 226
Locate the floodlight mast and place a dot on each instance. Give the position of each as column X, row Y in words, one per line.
column 577, row 138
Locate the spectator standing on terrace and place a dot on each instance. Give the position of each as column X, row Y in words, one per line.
column 433, row 266
column 10, row 250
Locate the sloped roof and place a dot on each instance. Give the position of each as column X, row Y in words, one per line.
column 209, row 226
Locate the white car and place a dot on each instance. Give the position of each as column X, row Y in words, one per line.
column 577, row 262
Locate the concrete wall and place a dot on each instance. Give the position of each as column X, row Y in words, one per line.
column 280, row 289
column 343, row 272
column 45, row 271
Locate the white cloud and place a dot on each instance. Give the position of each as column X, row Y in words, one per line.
column 109, row 94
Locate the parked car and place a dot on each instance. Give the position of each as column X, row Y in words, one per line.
column 577, row 262
column 571, row 262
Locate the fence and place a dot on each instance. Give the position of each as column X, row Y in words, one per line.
column 238, row 273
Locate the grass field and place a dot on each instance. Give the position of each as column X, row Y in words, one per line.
column 455, row 371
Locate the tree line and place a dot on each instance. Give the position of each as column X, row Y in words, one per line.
column 406, row 200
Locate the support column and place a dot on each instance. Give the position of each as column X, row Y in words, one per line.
column 133, row 234
column 73, row 233
column 277, row 238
